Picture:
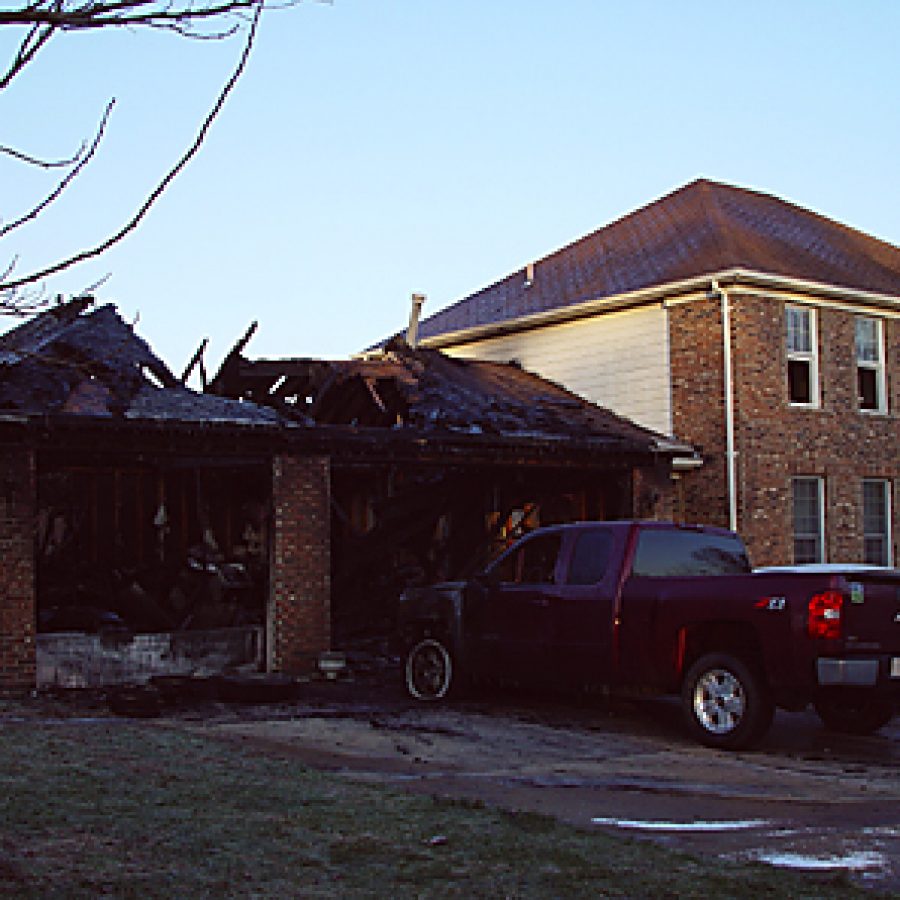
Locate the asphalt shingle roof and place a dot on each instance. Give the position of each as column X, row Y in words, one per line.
column 702, row 228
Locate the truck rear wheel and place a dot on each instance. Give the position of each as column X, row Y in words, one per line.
column 726, row 704
column 853, row 712
column 429, row 670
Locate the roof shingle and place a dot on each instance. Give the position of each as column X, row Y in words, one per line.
column 702, row 228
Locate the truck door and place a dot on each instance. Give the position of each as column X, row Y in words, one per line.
column 583, row 609
column 672, row 565
column 516, row 616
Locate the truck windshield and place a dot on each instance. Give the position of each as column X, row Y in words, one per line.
column 667, row 552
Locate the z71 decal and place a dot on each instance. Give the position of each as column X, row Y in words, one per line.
column 775, row 604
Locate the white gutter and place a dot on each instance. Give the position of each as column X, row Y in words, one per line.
column 698, row 285
column 730, row 462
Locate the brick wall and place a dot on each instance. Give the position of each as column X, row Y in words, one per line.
column 768, row 434
column 698, row 411
column 300, row 592
column 774, row 441
column 17, row 603
column 654, row 495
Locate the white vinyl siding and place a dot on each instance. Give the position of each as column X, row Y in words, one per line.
column 619, row 360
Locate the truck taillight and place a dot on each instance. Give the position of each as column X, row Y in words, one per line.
column 825, row 615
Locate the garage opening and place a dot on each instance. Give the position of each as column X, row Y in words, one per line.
column 150, row 567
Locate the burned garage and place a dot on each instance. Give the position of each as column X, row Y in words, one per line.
column 148, row 528
column 439, row 463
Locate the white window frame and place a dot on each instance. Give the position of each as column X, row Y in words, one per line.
column 810, row 357
column 886, row 535
column 876, row 365
column 819, row 534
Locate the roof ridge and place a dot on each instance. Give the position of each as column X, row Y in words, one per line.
column 723, row 234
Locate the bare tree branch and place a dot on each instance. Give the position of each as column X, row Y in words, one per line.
column 8, row 287
column 43, row 163
column 195, row 19
column 86, row 16
column 37, row 36
column 9, row 269
column 70, row 177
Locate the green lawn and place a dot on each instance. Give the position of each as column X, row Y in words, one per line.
column 127, row 808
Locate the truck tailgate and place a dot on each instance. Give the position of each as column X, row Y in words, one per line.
column 872, row 617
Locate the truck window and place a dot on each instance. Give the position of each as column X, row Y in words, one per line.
column 669, row 552
column 533, row 562
column 590, row 558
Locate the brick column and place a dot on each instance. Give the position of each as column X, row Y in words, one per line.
column 17, row 597
column 299, row 616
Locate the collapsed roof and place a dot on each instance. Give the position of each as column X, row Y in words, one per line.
column 73, row 361
column 426, row 391
column 703, row 228
column 85, row 368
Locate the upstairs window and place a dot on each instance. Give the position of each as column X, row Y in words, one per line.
column 809, row 521
column 802, row 362
column 876, row 522
column 870, row 364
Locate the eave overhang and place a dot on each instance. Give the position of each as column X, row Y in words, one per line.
column 687, row 289
column 344, row 444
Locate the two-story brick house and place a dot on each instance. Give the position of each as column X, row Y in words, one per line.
column 761, row 332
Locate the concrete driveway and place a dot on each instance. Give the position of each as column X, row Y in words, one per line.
column 806, row 799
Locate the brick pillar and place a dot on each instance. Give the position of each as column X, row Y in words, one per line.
column 299, row 619
column 17, row 598
column 653, row 494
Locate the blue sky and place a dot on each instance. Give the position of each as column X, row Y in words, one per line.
column 376, row 148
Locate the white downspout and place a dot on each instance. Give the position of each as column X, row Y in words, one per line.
column 730, row 465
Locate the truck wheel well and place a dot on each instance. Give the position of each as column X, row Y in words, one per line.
column 416, row 631
column 724, row 637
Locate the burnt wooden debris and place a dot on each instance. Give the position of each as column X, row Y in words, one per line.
column 420, row 389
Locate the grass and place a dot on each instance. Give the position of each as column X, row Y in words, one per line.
column 136, row 809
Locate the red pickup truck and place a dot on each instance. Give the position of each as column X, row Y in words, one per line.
column 667, row 608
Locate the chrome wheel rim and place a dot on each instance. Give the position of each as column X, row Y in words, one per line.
column 719, row 701
column 428, row 670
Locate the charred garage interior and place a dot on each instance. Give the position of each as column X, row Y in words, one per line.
column 148, row 528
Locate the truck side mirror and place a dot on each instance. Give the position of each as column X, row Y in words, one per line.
column 487, row 578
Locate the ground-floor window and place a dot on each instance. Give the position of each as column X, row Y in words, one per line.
column 876, row 521
column 809, row 520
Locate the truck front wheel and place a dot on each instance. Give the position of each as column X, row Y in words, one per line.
column 853, row 712
column 726, row 704
column 429, row 670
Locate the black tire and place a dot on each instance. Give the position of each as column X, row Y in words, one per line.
column 852, row 712
column 725, row 702
column 429, row 670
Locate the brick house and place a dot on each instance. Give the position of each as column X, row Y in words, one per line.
column 762, row 333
